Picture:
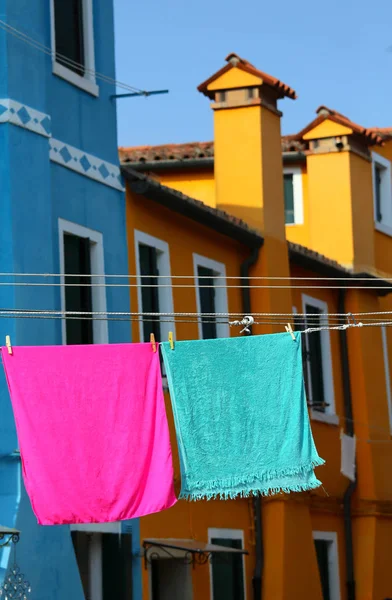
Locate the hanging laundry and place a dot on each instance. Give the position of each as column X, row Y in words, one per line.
column 241, row 416
column 348, row 447
column 93, row 432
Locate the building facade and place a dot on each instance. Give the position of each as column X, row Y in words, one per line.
column 320, row 205
column 62, row 212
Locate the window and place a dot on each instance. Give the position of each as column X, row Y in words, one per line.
column 81, row 255
column 170, row 578
column 293, row 200
column 211, row 296
column 153, row 269
column 73, row 43
column 326, row 546
column 227, row 571
column 382, row 193
column 387, row 373
column 104, row 562
column 318, row 361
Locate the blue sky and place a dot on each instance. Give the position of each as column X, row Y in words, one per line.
column 333, row 53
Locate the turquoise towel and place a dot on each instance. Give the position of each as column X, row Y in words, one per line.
column 241, row 416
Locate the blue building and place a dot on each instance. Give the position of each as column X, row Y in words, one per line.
column 62, row 209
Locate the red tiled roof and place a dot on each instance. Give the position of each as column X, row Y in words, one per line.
column 384, row 132
column 188, row 151
column 325, row 113
column 235, row 61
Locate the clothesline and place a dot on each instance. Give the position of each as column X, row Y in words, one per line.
column 192, row 286
column 250, row 277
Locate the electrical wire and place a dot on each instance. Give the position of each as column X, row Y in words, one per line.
column 64, row 59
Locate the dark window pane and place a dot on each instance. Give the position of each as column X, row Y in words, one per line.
column 227, row 572
column 148, row 257
column 68, row 20
column 81, row 544
column 78, row 299
column 288, row 199
column 323, row 565
column 116, row 566
column 378, row 176
column 315, row 358
column 207, row 301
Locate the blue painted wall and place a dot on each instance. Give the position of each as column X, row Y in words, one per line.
column 34, row 194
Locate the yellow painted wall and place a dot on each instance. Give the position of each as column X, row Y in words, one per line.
column 330, row 220
column 195, row 184
column 327, row 129
column 234, row 78
column 362, row 213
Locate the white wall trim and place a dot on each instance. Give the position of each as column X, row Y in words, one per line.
column 387, row 373
column 333, row 560
column 87, row 82
column 227, row 534
column 114, row 527
column 22, row 115
column 165, row 294
column 221, row 302
column 100, row 327
column 296, row 172
column 385, row 226
column 85, row 164
column 326, row 363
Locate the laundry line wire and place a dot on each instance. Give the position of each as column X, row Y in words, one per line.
column 188, row 286
column 215, row 277
column 23, row 37
column 296, row 318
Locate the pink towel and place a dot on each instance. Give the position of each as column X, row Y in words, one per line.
column 93, row 432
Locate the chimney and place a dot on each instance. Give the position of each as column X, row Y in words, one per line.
column 248, row 166
column 248, row 155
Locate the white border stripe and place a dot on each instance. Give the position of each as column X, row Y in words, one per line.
column 24, row 116
column 85, row 164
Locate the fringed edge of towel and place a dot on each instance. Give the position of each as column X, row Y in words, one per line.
column 252, row 484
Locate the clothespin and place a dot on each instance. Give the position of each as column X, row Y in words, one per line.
column 8, row 344
column 153, row 343
column 171, row 340
column 289, row 330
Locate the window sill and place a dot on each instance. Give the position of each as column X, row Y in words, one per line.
column 81, row 82
column 293, row 224
column 383, row 228
column 329, row 418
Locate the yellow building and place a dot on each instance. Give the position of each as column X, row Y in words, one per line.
column 252, row 203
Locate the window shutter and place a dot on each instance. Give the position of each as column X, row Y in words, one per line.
column 227, row 571
column 148, row 258
column 69, row 35
column 378, row 182
column 315, row 358
column 117, row 566
column 289, row 199
column 78, row 299
column 207, row 301
column 323, row 565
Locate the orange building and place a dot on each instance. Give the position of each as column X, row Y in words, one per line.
column 315, row 210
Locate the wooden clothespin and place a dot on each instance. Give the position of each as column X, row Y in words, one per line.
column 8, row 344
column 171, row 340
column 153, row 343
column 289, row 330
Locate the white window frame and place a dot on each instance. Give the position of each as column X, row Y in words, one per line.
column 385, row 226
column 98, row 293
column 95, row 555
column 165, row 294
column 329, row 416
column 227, row 534
column 333, row 560
column 87, row 82
column 221, row 302
column 385, row 352
column 296, row 172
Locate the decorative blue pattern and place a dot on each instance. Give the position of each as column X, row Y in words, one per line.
column 24, row 116
column 85, row 164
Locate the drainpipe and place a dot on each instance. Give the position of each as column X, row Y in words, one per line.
column 257, row 579
column 348, row 412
